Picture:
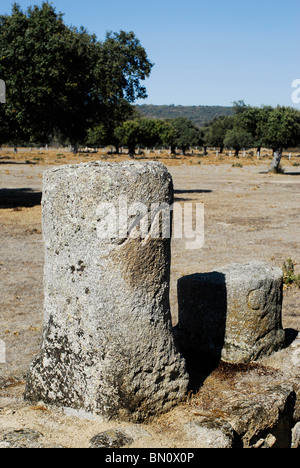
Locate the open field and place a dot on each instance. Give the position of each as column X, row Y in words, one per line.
column 59, row 156
column 249, row 214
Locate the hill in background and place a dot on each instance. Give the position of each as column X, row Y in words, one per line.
column 199, row 115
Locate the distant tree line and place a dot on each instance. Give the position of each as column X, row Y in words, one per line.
column 277, row 128
column 199, row 115
column 142, row 132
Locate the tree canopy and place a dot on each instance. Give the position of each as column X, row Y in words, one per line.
column 238, row 139
column 145, row 132
column 60, row 78
column 186, row 134
column 277, row 128
column 215, row 133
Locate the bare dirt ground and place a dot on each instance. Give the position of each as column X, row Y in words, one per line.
column 249, row 214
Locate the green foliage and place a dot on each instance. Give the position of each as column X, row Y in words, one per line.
column 276, row 128
column 48, row 73
column 186, row 134
column 281, row 128
column 156, row 132
column 215, row 133
column 289, row 275
column 144, row 132
column 166, row 133
column 253, row 120
column 96, row 136
column 121, row 66
column 238, row 139
column 62, row 80
column 129, row 134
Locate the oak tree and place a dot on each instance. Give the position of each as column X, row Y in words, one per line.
column 62, row 79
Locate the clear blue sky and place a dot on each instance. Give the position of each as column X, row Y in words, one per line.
column 206, row 52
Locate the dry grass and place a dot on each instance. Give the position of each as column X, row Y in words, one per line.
column 223, row 385
column 59, row 157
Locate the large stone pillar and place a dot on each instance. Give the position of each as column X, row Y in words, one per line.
column 107, row 344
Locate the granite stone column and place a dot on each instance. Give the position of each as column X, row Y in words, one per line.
column 107, row 345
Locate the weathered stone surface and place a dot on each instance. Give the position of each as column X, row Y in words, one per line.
column 287, row 361
column 22, row 438
column 111, row 439
column 107, row 345
column 296, row 436
column 234, row 314
column 267, row 416
column 211, row 433
column 258, row 403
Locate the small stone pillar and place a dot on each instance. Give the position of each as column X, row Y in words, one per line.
column 234, row 314
column 107, row 346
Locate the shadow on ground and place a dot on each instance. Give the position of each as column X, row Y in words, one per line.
column 180, row 192
column 177, row 193
column 20, row 197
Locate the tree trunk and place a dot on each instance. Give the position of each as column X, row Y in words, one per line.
column 221, row 149
column 75, row 147
column 205, row 150
column 131, row 149
column 237, row 150
column 275, row 165
column 173, row 150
